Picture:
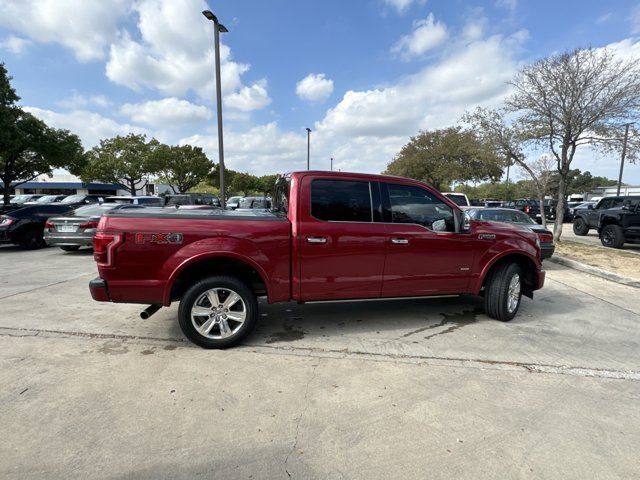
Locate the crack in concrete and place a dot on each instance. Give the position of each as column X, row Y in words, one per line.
column 302, row 413
column 579, row 371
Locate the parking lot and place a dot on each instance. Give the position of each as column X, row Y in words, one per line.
column 432, row 388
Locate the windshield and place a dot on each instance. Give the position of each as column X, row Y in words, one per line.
column 93, row 210
column 47, row 199
column 506, row 216
column 21, row 198
column 73, row 199
column 458, row 199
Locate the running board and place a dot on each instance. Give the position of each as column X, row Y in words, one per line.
column 381, row 299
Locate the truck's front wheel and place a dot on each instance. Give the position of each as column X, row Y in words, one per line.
column 503, row 292
column 218, row 312
column 580, row 227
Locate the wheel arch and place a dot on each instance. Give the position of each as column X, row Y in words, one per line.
column 528, row 266
column 223, row 263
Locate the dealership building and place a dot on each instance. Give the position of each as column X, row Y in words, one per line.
column 70, row 184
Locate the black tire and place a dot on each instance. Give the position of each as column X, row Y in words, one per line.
column 496, row 292
column 580, row 227
column 612, row 236
column 32, row 239
column 71, row 248
column 250, row 306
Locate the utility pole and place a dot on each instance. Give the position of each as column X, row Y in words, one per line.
column 624, row 154
column 308, row 146
column 218, row 28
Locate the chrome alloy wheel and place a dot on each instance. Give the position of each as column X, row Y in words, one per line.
column 513, row 294
column 218, row 313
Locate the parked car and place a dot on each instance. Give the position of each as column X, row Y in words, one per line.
column 516, row 217
column 25, row 226
column 354, row 236
column 459, row 199
column 47, row 199
column 142, row 200
column 259, row 203
column 77, row 228
column 200, row 199
column 531, row 207
column 19, row 201
column 571, row 206
column 490, row 203
column 80, row 199
column 620, row 225
column 233, row 202
column 589, row 217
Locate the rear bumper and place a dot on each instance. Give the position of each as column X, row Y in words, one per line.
column 69, row 240
column 546, row 251
column 99, row 290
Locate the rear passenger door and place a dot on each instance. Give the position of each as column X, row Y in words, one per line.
column 340, row 248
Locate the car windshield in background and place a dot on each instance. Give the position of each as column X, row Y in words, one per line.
column 459, row 200
column 20, row 198
column 506, row 216
column 47, row 199
column 93, row 210
column 72, row 199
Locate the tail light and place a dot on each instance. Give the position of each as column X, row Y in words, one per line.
column 5, row 221
column 104, row 245
column 49, row 226
column 545, row 238
column 90, row 224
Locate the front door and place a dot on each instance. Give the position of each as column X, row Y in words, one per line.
column 425, row 256
column 340, row 249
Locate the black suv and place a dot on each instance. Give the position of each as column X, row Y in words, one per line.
column 622, row 224
column 585, row 219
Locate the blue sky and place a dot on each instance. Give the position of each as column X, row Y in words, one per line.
column 365, row 75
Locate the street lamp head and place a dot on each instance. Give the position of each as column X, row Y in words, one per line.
column 210, row 16
column 308, row 129
column 222, row 28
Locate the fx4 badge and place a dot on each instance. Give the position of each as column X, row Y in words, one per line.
column 487, row 236
column 158, row 238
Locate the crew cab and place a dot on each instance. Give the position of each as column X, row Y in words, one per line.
column 329, row 236
column 584, row 219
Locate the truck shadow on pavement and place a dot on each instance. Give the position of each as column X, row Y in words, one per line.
column 404, row 319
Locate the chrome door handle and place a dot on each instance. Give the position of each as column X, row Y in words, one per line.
column 316, row 239
column 399, row 241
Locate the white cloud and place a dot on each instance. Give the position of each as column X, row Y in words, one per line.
column 89, row 126
column 15, row 45
column 507, row 4
column 250, row 98
column 166, row 113
column 85, row 27
column 402, row 6
column 78, row 101
column 314, row 87
column 173, row 52
column 426, row 35
column 263, row 149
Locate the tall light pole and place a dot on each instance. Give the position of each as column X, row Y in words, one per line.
column 332, row 164
column 624, row 153
column 308, row 146
column 218, row 28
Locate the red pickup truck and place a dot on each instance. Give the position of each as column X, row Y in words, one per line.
column 329, row 236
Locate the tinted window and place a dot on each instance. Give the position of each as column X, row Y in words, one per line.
column 410, row 204
column 458, row 199
column 341, row 201
column 93, row 210
column 508, row 216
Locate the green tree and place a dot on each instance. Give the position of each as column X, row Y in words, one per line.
column 182, row 167
column 440, row 157
column 126, row 160
column 243, row 183
column 266, row 184
column 28, row 147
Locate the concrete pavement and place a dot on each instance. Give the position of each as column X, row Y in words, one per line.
column 406, row 388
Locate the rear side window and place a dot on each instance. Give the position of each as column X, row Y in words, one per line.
column 341, row 201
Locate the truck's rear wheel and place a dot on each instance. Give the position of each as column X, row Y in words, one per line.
column 612, row 236
column 580, row 227
column 503, row 292
column 218, row 312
